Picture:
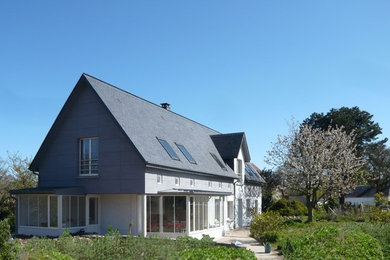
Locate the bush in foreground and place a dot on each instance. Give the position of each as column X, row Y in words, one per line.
column 267, row 221
column 7, row 249
column 216, row 253
column 333, row 242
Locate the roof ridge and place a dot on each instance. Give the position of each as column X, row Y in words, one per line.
column 237, row 133
column 147, row 101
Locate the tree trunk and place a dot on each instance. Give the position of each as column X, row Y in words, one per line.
column 309, row 209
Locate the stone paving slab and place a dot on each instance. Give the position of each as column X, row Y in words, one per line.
column 242, row 236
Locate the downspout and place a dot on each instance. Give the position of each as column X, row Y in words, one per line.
column 234, row 202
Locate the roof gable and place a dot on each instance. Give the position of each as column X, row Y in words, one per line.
column 143, row 122
column 229, row 145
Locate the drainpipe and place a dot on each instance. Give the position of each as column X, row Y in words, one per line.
column 234, row 202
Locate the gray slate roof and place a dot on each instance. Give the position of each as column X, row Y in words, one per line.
column 144, row 121
column 252, row 176
column 229, row 145
column 362, row 191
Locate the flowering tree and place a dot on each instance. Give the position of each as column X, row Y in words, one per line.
column 316, row 163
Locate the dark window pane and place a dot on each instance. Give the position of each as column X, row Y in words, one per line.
column 169, row 149
column 65, row 211
column 186, row 153
column 191, row 213
column 94, row 148
column 93, row 211
column 180, row 214
column 153, row 207
column 53, row 211
column 81, row 211
column 43, row 222
column 168, row 214
column 73, row 211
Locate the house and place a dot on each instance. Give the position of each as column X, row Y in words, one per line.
column 364, row 195
column 112, row 158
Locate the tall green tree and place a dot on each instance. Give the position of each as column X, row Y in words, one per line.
column 352, row 119
column 366, row 132
column 378, row 166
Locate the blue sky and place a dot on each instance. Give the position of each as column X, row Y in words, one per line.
column 231, row 65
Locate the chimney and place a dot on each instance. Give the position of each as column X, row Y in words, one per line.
column 166, row 106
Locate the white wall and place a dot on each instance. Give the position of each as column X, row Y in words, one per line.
column 118, row 211
column 201, row 182
column 245, row 192
column 362, row 200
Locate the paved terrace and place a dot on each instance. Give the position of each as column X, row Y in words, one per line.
column 242, row 235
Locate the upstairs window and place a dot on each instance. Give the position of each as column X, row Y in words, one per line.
column 186, row 153
column 177, row 181
column 89, row 156
column 239, row 166
column 219, row 162
column 169, row 149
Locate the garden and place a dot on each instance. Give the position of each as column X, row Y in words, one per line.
column 352, row 234
column 114, row 246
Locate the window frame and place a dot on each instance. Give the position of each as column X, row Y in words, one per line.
column 90, row 159
column 186, row 154
column 159, row 178
column 169, row 149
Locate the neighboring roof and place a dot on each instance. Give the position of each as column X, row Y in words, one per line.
column 194, row 192
column 252, row 176
column 50, row 190
column 143, row 122
column 362, row 191
column 229, row 145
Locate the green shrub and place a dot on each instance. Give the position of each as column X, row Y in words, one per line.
column 289, row 208
column 381, row 232
column 219, row 252
column 379, row 216
column 267, row 221
column 7, row 249
column 331, row 241
column 269, row 236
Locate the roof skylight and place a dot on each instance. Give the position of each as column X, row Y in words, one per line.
column 186, row 153
column 169, row 149
column 219, row 162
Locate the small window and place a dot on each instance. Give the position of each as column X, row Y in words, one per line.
column 89, row 155
column 186, row 153
column 220, row 185
column 219, row 162
column 210, row 184
column 248, row 208
column 177, row 181
column 229, row 186
column 230, row 210
column 169, row 149
column 159, row 178
column 192, row 182
column 239, row 166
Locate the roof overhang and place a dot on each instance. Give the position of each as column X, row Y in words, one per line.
column 51, row 190
column 193, row 192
